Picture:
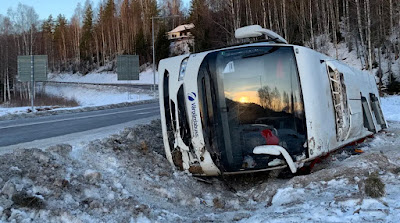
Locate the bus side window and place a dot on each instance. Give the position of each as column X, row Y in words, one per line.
column 368, row 122
column 376, row 109
column 339, row 100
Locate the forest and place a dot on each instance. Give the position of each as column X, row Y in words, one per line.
column 96, row 34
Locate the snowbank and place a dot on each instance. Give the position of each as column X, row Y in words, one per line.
column 344, row 55
column 391, row 107
column 126, row 178
column 388, row 62
column 17, row 110
column 145, row 77
column 88, row 95
column 97, row 95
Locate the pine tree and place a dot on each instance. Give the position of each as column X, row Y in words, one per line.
column 162, row 44
column 198, row 16
column 60, row 33
column 48, row 39
column 87, row 35
column 108, row 22
column 126, row 19
column 142, row 47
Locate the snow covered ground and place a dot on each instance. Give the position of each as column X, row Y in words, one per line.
column 391, row 107
column 126, row 178
column 16, row 110
column 92, row 95
column 350, row 58
column 145, row 77
column 86, row 96
column 95, row 95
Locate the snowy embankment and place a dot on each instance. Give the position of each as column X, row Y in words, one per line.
column 391, row 107
column 98, row 95
column 388, row 66
column 88, row 94
column 126, row 178
column 145, row 77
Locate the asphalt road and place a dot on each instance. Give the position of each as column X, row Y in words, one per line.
column 13, row 132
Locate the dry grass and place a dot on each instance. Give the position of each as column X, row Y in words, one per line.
column 43, row 100
column 219, row 204
column 396, row 170
column 144, row 147
column 374, row 187
column 22, row 199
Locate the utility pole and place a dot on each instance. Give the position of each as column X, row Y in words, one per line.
column 154, row 55
column 32, row 74
column 32, row 83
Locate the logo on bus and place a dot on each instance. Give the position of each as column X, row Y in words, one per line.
column 195, row 123
column 192, row 96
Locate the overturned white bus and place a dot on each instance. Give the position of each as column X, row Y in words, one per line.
column 262, row 106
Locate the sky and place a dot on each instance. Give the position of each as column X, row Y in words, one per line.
column 46, row 7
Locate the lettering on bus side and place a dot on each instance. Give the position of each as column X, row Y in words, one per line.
column 195, row 123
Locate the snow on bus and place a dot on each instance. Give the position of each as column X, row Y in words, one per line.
column 262, row 106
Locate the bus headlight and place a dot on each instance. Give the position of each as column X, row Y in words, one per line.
column 182, row 71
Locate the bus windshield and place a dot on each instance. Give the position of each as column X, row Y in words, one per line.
column 260, row 102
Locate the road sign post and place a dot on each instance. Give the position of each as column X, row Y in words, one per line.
column 32, row 68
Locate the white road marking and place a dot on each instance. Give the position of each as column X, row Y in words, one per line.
column 143, row 113
column 77, row 118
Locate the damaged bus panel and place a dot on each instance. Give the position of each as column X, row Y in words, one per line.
column 262, row 106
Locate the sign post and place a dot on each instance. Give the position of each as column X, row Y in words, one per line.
column 32, row 68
